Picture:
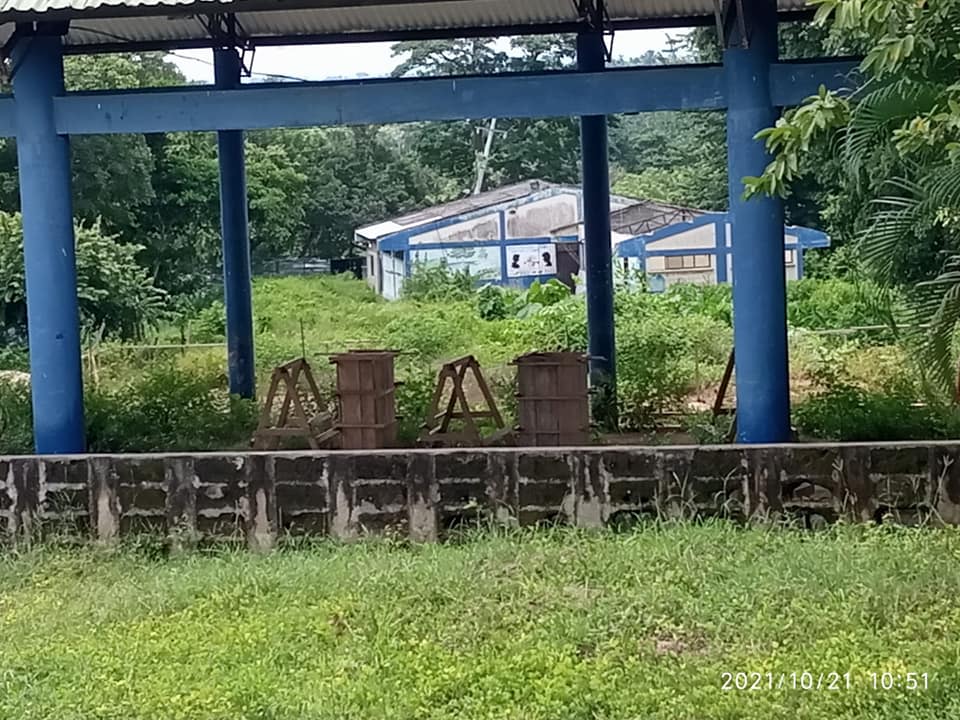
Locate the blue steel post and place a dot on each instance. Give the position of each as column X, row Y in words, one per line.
column 759, row 286
column 53, row 320
column 236, row 242
column 591, row 57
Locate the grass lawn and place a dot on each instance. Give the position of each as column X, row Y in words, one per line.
column 549, row 624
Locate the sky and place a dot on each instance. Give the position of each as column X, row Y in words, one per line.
column 319, row 62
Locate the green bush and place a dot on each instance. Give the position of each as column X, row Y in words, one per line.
column 436, row 332
column 114, row 291
column 492, row 303
column 708, row 429
column 414, row 393
column 210, row 323
column 662, row 355
column 849, row 413
column 164, row 408
column 16, row 420
column 14, row 357
column 712, row 301
column 662, row 359
column 835, row 303
column 540, row 295
column 436, row 283
column 168, row 409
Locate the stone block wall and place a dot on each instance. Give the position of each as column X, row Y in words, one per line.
column 260, row 497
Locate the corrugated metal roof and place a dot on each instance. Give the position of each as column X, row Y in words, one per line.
column 454, row 208
column 99, row 22
column 640, row 216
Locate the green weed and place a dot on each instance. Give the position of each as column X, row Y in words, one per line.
column 518, row 625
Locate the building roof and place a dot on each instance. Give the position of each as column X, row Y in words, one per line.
column 498, row 196
column 638, row 217
column 111, row 24
column 649, row 215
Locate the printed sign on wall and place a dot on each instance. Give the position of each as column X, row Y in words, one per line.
column 482, row 262
column 524, row 260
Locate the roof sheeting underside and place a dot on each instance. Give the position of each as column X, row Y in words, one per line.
column 103, row 22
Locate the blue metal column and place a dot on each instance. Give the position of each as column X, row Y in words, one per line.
column 236, row 241
column 53, row 319
column 759, row 286
column 591, row 57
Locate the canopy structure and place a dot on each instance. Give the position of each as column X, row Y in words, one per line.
column 751, row 85
column 97, row 25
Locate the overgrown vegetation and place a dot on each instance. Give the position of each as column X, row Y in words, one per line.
column 115, row 293
column 672, row 349
column 532, row 625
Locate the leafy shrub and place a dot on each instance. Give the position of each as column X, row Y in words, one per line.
column 165, row 408
column 414, row 393
column 661, row 354
column 434, row 333
column 16, row 420
column 661, row 359
column 712, row 301
column 849, row 413
column 14, row 357
column 495, row 302
column 835, row 303
column 708, row 429
column 559, row 327
column 114, row 291
column 210, row 323
column 435, row 283
column 492, row 303
column 540, row 295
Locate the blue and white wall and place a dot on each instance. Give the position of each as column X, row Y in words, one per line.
column 700, row 251
column 507, row 244
column 511, row 244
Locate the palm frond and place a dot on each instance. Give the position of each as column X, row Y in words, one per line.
column 909, row 204
column 888, row 228
column 878, row 107
column 931, row 315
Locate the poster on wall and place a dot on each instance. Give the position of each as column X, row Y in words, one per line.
column 525, row 260
column 481, row 262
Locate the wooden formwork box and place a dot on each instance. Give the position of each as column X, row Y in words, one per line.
column 366, row 396
column 553, row 406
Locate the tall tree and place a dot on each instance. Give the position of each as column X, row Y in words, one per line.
column 544, row 148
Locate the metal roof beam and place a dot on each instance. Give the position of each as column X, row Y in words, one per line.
column 269, row 105
column 260, row 106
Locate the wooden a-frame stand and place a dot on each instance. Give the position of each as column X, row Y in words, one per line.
column 293, row 421
column 437, row 431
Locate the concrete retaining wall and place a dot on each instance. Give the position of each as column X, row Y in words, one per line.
column 420, row 494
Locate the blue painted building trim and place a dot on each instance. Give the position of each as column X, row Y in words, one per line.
column 506, row 242
column 637, row 247
column 361, row 102
column 238, row 293
column 634, row 246
column 53, row 317
column 720, row 232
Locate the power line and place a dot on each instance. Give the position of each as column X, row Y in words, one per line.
column 114, row 36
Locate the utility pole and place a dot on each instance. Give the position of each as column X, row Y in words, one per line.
column 484, row 158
